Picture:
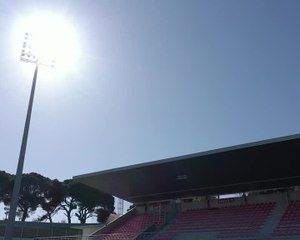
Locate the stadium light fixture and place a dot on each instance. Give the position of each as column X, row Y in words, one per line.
column 28, row 54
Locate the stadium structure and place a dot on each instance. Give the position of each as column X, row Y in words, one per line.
column 187, row 197
column 246, row 192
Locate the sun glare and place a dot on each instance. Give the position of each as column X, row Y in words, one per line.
column 53, row 39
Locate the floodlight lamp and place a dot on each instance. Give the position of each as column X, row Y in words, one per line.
column 30, row 53
column 50, row 39
column 27, row 53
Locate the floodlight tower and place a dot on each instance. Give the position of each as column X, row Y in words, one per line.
column 29, row 55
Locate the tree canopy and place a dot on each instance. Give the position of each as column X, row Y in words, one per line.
column 52, row 196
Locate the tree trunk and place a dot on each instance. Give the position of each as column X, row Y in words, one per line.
column 69, row 217
column 49, row 217
column 24, row 216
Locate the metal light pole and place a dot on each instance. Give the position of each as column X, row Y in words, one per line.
column 27, row 55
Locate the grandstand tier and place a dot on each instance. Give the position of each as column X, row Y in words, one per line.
column 267, row 216
column 183, row 198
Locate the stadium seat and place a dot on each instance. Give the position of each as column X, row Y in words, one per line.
column 128, row 230
column 289, row 224
column 228, row 222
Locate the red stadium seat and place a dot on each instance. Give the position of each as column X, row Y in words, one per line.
column 228, row 222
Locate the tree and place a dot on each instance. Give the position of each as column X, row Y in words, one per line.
column 85, row 200
column 102, row 215
column 5, row 183
column 68, row 205
column 5, row 189
column 88, row 199
column 53, row 195
column 75, row 199
column 30, row 194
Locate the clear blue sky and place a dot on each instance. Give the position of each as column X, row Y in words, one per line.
column 157, row 79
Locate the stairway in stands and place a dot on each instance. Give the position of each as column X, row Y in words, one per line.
column 289, row 224
column 273, row 220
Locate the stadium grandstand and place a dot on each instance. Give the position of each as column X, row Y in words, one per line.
column 245, row 192
column 248, row 191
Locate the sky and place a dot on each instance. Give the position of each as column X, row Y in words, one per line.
column 154, row 79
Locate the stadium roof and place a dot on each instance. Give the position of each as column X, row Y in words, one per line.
column 273, row 163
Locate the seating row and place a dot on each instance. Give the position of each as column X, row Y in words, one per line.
column 235, row 221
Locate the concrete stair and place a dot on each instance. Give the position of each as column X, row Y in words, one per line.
column 273, row 220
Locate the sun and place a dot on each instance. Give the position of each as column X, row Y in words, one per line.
column 53, row 38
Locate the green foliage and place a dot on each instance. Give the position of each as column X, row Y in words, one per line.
column 5, row 185
column 102, row 215
column 88, row 199
column 30, row 195
column 53, row 195
column 74, row 199
column 68, row 205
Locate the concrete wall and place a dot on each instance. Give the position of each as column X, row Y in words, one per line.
column 202, row 203
column 279, row 197
column 294, row 195
column 225, row 202
column 197, row 203
column 89, row 229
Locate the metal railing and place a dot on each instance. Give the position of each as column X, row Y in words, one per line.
column 176, row 235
